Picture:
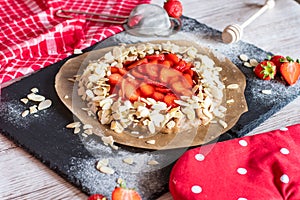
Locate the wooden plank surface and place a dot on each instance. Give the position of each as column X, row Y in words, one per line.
column 24, row 177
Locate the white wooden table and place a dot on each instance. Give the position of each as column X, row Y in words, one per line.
column 24, row 177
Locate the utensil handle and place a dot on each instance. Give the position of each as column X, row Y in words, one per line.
column 269, row 4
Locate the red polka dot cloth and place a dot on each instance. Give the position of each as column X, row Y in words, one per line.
column 32, row 36
column 259, row 167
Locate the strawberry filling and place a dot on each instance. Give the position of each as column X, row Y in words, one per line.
column 163, row 77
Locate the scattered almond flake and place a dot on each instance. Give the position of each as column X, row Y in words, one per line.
column 230, row 101
column 90, row 93
column 88, row 131
column 106, row 170
column 120, row 181
column 66, row 97
column 72, row 80
column 73, row 125
column 34, row 90
column 247, row 64
column 141, row 137
column 244, row 57
column 223, row 123
column 76, row 130
column 151, row 127
column 266, row 91
column 171, row 124
column 128, row 160
column 32, row 109
column 84, row 135
column 152, row 162
column 130, row 76
column 253, row 62
column 25, row 113
column 35, row 97
column 150, row 141
column 135, row 132
column 232, row 86
column 36, row 115
column 77, row 51
column 24, row 100
column 108, row 140
column 102, row 162
column 87, row 126
column 44, row 104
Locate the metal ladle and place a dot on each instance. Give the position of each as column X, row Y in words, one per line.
column 144, row 20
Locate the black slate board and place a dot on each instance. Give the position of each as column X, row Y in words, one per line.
column 74, row 157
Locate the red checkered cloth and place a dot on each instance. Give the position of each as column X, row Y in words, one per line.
column 33, row 37
column 263, row 166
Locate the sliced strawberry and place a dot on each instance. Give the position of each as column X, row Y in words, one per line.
column 181, row 88
column 169, row 100
column 137, row 63
column 122, row 71
column 154, row 83
column 152, row 70
column 137, row 74
column 114, row 70
column 158, row 96
column 135, row 96
column 182, row 66
column 167, row 63
column 166, row 74
column 189, row 71
column 290, row 71
column 163, row 90
column 124, row 193
column 114, row 79
column 142, row 69
column 146, row 90
column 160, row 57
column 189, row 79
column 172, row 57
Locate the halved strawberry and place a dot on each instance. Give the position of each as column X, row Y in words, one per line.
column 166, row 74
column 182, row 88
column 146, row 90
column 137, row 63
column 172, row 57
column 124, row 193
column 158, row 96
column 189, row 71
column 114, row 79
column 169, row 100
column 290, row 71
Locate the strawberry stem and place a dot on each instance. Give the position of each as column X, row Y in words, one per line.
column 269, row 57
column 289, row 59
column 298, row 61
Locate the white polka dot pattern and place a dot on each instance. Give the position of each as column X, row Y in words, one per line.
column 284, row 151
column 241, row 198
column 199, row 157
column 196, row 189
column 242, row 171
column 243, row 143
column 284, row 178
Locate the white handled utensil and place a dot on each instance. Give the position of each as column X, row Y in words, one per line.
column 233, row 33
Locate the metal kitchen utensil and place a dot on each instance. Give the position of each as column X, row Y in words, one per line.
column 144, row 20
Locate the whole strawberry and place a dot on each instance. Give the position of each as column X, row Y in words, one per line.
column 173, row 8
column 265, row 70
column 97, row 197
